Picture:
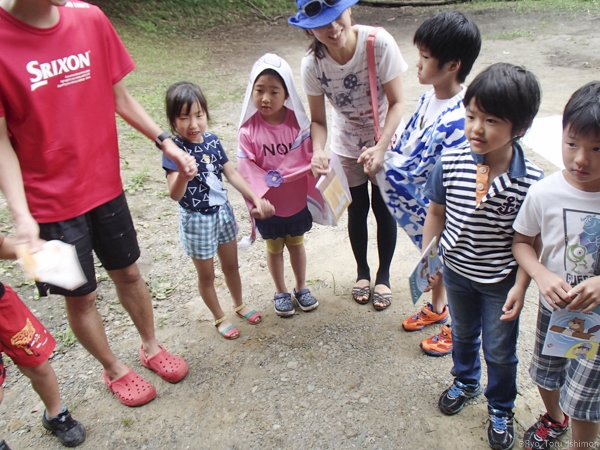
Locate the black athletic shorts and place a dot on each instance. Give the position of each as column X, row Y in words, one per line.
column 107, row 231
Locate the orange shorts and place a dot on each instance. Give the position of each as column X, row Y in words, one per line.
column 22, row 336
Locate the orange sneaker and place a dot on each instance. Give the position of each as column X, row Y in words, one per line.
column 425, row 317
column 440, row 344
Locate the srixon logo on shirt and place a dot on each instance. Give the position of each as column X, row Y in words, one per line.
column 43, row 71
column 280, row 149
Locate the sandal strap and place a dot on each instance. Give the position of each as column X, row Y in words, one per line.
column 361, row 290
column 219, row 321
column 382, row 299
column 224, row 332
column 239, row 308
column 250, row 314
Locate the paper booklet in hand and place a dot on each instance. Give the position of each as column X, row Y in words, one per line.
column 429, row 264
column 573, row 334
column 334, row 187
column 56, row 263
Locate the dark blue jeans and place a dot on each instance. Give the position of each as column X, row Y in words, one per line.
column 475, row 309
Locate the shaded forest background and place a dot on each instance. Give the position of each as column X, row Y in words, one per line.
column 188, row 16
column 193, row 17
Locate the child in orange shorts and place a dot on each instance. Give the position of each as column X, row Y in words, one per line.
column 26, row 341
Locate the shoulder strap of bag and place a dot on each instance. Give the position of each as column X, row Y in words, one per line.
column 373, row 80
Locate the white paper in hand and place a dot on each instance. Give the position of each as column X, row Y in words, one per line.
column 56, row 263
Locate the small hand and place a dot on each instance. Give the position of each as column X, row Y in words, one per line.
column 586, row 295
column 555, row 290
column 263, row 210
column 513, row 305
column 319, row 163
column 28, row 233
column 186, row 164
column 434, row 280
column 372, row 159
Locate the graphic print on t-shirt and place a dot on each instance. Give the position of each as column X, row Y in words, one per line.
column 73, row 69
column 276, row 148
column 582, row 236
column 205, row 192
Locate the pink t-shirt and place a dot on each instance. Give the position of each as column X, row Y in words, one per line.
column 56, row 93
column 268, row 145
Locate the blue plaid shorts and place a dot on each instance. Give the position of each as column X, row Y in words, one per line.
column 201, row 234
column 578, row 380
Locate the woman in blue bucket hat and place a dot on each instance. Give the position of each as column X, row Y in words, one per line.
column 336, row 67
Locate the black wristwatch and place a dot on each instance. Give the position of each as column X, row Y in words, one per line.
column 161, row 138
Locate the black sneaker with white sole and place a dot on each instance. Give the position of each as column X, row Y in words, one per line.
column 501, row 431
column 68, row 431
column 453, row 399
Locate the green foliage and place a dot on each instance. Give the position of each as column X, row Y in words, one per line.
column 510, row 35
column 67, row 337
column 160, row 290
column 534, row 5
column 126, row 422
column 137, row 181
column 161, row 321
column 5, row 219
column 192, row 17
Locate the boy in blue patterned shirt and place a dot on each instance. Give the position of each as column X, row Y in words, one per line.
column 448, row 45
column 475, row 192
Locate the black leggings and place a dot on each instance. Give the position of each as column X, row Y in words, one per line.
column 357, row 231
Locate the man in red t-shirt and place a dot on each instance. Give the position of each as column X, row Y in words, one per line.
column 61, row 81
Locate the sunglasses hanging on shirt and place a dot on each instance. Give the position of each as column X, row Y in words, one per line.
column 314, row 7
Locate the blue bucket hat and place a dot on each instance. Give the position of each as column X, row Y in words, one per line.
column 327, row 15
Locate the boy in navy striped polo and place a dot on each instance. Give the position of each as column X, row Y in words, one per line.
column 476, row 191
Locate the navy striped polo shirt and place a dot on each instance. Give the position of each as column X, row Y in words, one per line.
column 477, row 237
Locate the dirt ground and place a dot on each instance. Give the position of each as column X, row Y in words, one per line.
column 341, row 377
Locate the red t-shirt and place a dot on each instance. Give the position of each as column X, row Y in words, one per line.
column 56, row 92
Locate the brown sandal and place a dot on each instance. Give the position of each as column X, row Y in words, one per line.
column 361, row 295
column 382, row 299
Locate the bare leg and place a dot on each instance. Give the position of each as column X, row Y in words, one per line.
column 438, row 298
column 275, row 263
column 228, row 255
column 135, row 298
column 86, row 323
column 550, row 399
column 44, row 382
column 298, row 262
column 584, row 434
column 206, row 286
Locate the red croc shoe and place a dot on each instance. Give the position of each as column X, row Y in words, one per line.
column 130, row 389
column 169, row 367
